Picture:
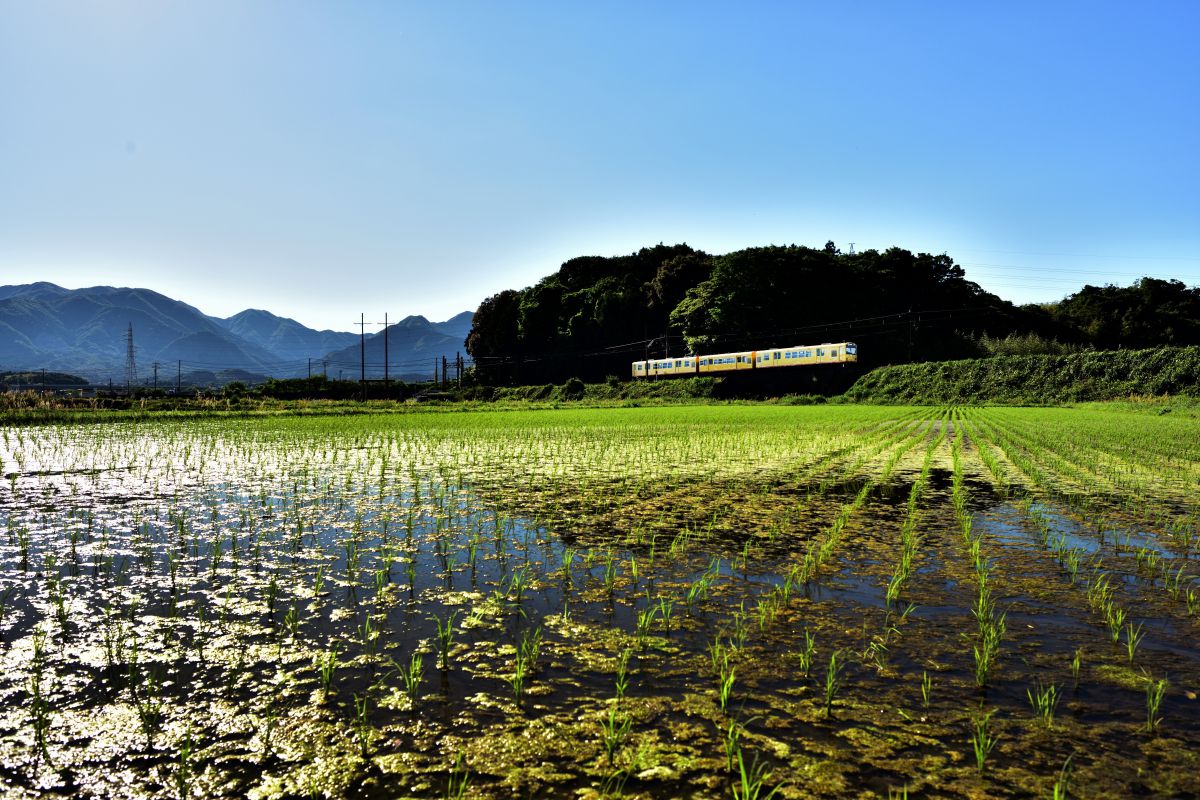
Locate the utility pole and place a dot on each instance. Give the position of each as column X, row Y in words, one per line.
column 385, row 345
column 310, row 366
column 435, row 382
column 445, row 379
column 325, row 369
column 156, row 375
column 910, row 334
column 43, row 380
column 362, row 347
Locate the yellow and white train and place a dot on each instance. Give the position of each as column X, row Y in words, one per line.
column 799, row 356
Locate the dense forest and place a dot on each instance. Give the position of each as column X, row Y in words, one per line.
column 596, row 315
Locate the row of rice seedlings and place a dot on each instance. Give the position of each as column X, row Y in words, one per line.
column 1149, row 560
column 822, row 546
column 1120, row 461
column 616, row 722
column 1090, row 485
column 909, row 541
column 1101, row 598
column 991, row 622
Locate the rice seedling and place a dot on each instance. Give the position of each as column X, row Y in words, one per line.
column 412, row 675
column 1043, row 699
column 733, row 736
column 983, row 740
column 622, row 682
column 807, row 652
column 368, row 636
column 1062, row 783
column 445, row 635
column 520, row 675
column 363, row 731
column 459, row 779
column 926, row 688
column 327, row 664
column 1133, row 637
column 1155, row 691
column 645, row 621
column 833, row 682
column 39, row 705
column 184, row 767
column 750, row 782
column 726, row 675
column 614, row 729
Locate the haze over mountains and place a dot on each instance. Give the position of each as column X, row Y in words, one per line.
column 83, row 331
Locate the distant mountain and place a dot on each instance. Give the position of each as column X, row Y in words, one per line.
column 413, row 346
column 286, row 338
column 83, row 331
column 457, row 326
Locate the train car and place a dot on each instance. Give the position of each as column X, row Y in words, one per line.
column 669, row 367
column 727, row 362
column 807, row 355
column 798, row 356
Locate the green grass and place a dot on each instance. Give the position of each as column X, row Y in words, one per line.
column 1079, row 377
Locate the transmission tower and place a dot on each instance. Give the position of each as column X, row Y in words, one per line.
column 130, row 360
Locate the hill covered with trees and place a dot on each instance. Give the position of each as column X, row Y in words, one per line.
column 595, row 315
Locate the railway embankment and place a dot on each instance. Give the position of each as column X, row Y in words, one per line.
column 1079, row 377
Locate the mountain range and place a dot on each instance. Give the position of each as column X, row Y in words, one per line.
column 85, row 332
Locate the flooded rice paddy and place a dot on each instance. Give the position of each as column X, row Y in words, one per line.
column 681, row 602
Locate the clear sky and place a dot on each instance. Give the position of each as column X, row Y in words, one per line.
column 326, row 159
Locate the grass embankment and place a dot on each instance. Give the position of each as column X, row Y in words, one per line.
column 1079, row 377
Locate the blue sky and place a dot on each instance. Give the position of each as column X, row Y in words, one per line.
column 326, row 159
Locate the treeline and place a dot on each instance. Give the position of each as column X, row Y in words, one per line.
column 1083, row 376
column 595, row 315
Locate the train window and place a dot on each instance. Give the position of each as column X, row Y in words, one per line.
column 820, row 352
